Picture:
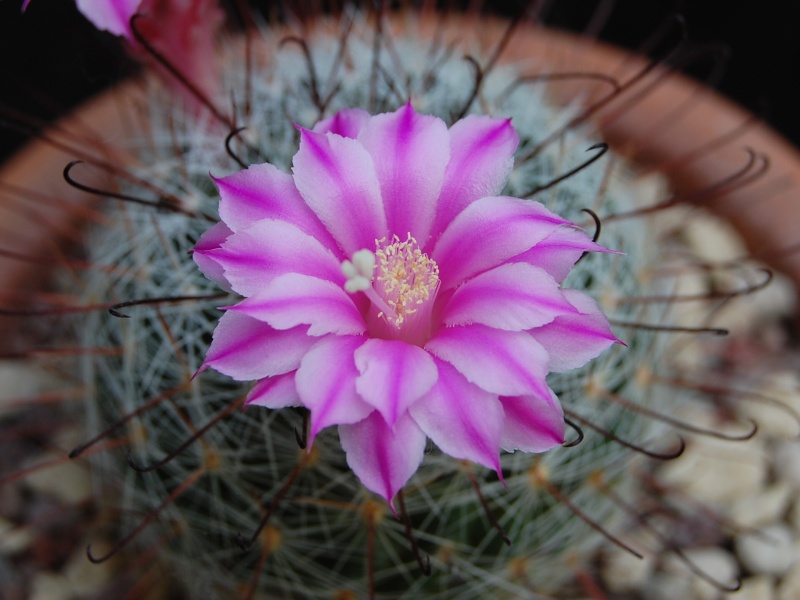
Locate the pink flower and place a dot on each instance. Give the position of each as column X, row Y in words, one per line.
column 389, row 290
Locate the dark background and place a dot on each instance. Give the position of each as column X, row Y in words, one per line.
column 51, row 57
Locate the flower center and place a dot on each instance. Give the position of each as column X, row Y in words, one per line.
column 401, row 282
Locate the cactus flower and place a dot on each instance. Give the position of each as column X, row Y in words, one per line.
column 390, row 290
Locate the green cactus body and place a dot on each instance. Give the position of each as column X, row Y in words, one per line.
column 326, row 528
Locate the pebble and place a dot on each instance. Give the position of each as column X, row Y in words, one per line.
column 762, row 507
column 774, row 422
column 13, row 540
column 769, row 553
column 717, row 472
column 748, row 317
column 789, row 587
column 786, row 463
column 86, row 578
column 759, row 587
column 622, row 572
column 714, row 240
column 667, row 586
column 70, row 481
column 718, row 564
column 50, row 586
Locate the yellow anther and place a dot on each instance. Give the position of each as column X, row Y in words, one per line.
column 399, row 280
column 405, row 275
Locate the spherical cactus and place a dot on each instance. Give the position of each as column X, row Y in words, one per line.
column 232, row 499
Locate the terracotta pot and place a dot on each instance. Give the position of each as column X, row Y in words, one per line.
column 41, row 214
column 695, row 136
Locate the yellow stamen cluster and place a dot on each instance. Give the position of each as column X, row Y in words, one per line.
column 407, row 277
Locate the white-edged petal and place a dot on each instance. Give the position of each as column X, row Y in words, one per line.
column 326, row 383
column 393, row 375
column 384, row 458
column 463, row 420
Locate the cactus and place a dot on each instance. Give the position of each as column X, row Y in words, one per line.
column 317, row 533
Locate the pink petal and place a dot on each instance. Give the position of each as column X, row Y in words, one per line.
column 573, row 340
column 336, row 177
column 293, row 299
column 326, row 383
column 256, row 255
column 410, row 153
column 489, row 232
column 393, row 375
column 514, row 296
column 346, row 123
column 264, row 192
column 532, row 424
column 203, row 254
column 508, row 363
column 275, row 392
column 481, row 157
column 463, row 420
column 384, row 458
column 245, row 349
column 559, row 252
column 110, row 15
